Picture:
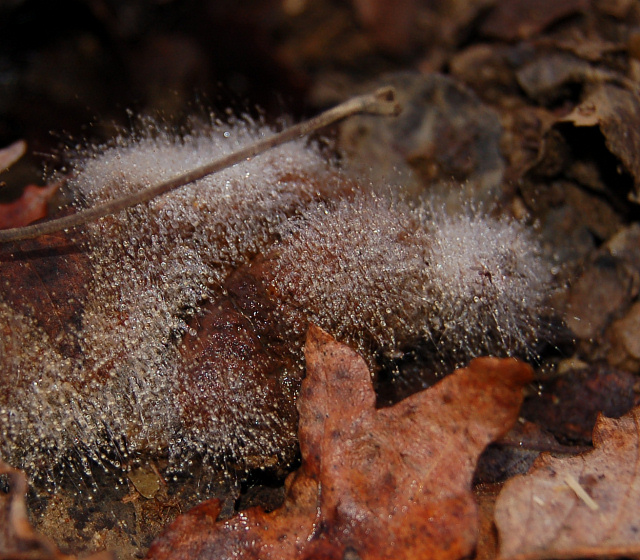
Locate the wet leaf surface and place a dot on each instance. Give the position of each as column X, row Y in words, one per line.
column 393, row 482
column 545, row 514
column 535, row 100
column 46, row 279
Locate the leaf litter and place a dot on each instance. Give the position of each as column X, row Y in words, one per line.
column 581, row 194
column 387, row 483
column 580, row 507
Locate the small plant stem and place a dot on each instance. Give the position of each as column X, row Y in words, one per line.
column 380, row 102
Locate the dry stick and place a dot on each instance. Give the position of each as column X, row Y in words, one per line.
column 380, row 102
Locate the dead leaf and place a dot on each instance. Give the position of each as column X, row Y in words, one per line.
column 515, row 452
column 388, row 483
column 18, row 540
column 11, row 154
column 390, row 23
column 615, row 111
column 550, row 76
column 444, row 134
column 521, row 19
column 624, row 339
column 568, row 406
column 544, row 514
column 604, row 289
column 487, row 546
column 31, row 206
column 47, row 279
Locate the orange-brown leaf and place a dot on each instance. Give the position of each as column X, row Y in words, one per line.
column 540, row 515
column 388, row 483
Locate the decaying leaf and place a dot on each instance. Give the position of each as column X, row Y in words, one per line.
column 445, row 134
column 388, row 483
column 522, row 19
column 18, row 540
column 548, row 77
column 389, row 22
column 582, row 507
column 45, row 279
column 31, row 206
column 173, row 296
column 615, row 111
column 568, row 406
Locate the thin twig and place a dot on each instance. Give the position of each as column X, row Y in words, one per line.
column 380, row 102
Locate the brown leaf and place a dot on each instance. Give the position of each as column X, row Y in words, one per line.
column 540, row 515
column 444, row 132
column 624, row 339
column 31, row 206
column 242, row 357
column 389, row 22
column 46, row 279
column 388, row 483
column 521, row 19
column 547, row 77
column 615, row 111
column 604, row 290
column 568, row 406
column 18, row 540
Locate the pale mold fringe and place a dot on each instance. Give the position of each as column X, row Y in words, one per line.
column 490, row 283
column 152, row 266
column 358, row 267
column 374, row 270
column 377, row 272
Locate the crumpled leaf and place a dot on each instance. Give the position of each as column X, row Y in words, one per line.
column 444, row 135
column 615, row 111
column 548, row 77
column 387, row 483
column 31, row 206
column 18, row 540
column 539, row 515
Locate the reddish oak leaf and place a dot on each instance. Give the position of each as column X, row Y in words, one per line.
column 581, row 507
column 387, row 483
